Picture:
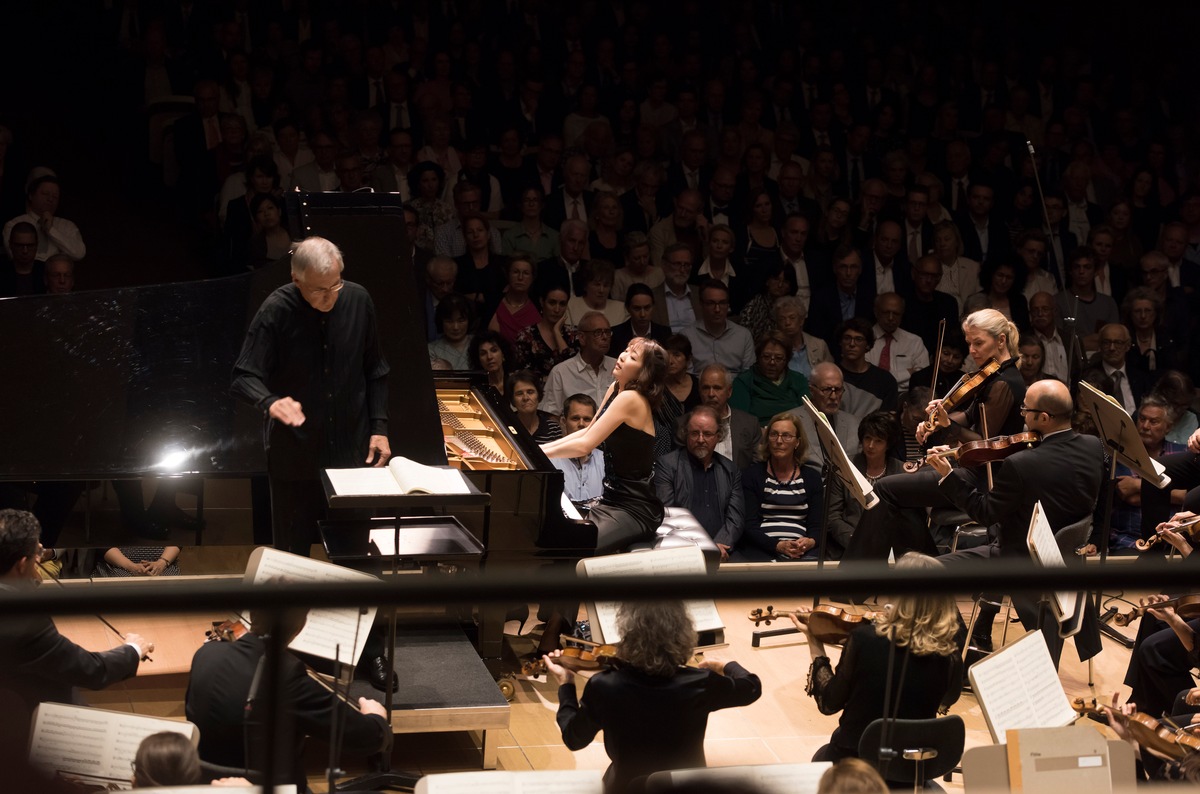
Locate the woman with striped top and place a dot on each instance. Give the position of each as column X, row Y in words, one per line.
column 783, row 497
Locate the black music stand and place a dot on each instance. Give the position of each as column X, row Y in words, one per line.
column 1118, row 431
column 386, row 779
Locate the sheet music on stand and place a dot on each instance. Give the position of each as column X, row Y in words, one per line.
column 835, row 456
column 1043, row 548
column 1018, row 687
column 1119, row 433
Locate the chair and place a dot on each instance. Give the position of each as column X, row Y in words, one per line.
column 924, row 749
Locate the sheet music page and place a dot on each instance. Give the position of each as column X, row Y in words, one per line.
column 416, row 477
column 1018, row 687
column 660, row 562
column 1044, row 550
column 367, row 481
column 94, row 743
column 866, row 493
column 326, row 629
column 764, row 778
column 574, row 781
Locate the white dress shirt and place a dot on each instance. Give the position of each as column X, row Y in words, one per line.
column 1055, row 363
column 1040, row 281
column 680, row 311
column 1077, row 220
column 1124, row 392
column 960, row 279
column 885, row 276
column 63, row 237
column 574, row 376
column 803, row 285
column 907, row 354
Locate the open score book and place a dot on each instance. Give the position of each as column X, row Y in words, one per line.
column 400, row 477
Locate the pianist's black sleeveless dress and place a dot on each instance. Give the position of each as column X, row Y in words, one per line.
column 629, row 510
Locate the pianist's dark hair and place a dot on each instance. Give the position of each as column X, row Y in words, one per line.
column 651, row 382
column 19, row 533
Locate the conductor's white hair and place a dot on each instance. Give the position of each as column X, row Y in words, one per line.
column 316, row 254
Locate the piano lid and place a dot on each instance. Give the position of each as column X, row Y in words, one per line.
column 126, row 383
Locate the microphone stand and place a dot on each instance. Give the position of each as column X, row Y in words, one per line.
column 1037, row 178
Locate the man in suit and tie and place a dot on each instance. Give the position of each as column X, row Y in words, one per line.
column 958, row 178
column 857, row 163
column 820, row 131
column 691, row 172
column 396, row 111
column 321, row 174
column 916, row 231
column 1129, row 385
column 792, row 200
column 1060, row 241
column 718, row 207
column 369, row 90
column 676, row 300
column 573, row 200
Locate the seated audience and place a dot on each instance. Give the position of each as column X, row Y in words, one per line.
column 490, row 352
column 551, row 340
column 855, row 338
column 828, row 390
column 1079, row 299
column 516, row 309
column 270, row 240
column 677, row 303
column 583, row 478
column 453, row 318
column 638, row 267
column 1153, row 349
column 877, row 437
column 1033, row 358
column 524, row 392
column 1002, row 289
column 702, row 480
column 639, row 305
column 54, row 235
column 139, row 561
column 807, row 351
column 782, row 496
column 60, row 275
column 23, row 273
column 682, row 393
column 716, row 340
column 596, row 278
column 896, row 351
column 529, row 234
column 481, row 272
column 590, row 371
column 741, row 442
column 757, row 316
column 769, row 387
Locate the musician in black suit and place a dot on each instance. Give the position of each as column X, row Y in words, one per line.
column 652, row 709
column 37, row 664
column 223, row 700
column 1063, row 472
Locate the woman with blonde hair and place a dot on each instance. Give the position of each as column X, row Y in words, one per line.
column 994, row 408
column 907, row 658
column 783, row 497
column 652, row 709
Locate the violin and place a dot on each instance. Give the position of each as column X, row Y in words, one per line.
column 577, row 655
column 826, row 623
column 1191, row 531
column 225, row 631
column 961, row 391
column 1166, row 740
column 1186, row 606
column 982, row 452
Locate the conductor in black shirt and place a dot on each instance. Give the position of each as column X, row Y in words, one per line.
column 313, row 363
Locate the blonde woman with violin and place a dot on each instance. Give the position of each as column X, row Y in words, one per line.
column 984, row 404
column 653, row 710
column 907, row 660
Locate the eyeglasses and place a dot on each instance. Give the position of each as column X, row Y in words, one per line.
column 716, row 304
column 854, row 340
column 772, row 358
column 1025, row 410
column 830, row 390
column 704, row 434
column 600, row 332
column 319, row 291
column 776, row 436
column 1114, row 342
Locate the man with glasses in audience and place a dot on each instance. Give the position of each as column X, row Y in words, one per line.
column 855, row 338
column 716, row 340
column 702, row 480
column 676, row 301
column 23, row 274
column 313, row 363
column 587, row 372
column 828, row 387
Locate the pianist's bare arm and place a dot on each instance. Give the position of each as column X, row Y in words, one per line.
column 628, row 407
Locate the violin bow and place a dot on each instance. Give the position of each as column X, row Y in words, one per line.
column 42, row 567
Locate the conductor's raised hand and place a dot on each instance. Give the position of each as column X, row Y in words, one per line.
column 288, row 411
column 378, row 451
column 561, row 674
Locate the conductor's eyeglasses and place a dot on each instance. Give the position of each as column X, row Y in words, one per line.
column 319, row 291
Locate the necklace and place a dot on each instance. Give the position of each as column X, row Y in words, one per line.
column 513, row 305
column 781, row 480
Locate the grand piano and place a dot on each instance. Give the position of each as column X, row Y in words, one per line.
column 134, row 383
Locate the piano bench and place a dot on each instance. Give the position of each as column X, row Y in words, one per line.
column 680, row 528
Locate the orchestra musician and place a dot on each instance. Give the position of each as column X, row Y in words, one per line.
column 898, row 522
column 37, row 664
column 914, row 639
column 652, row 709
column 1063, row 472
column 222, row 697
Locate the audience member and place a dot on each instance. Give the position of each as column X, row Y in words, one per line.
column 587, row 372
column 928, row 306
column 895, row 351
column 638, row 267
column 54, row 234
column 24, row 273
column 743, row 432
column 516, row 309
column 597, row 280
column 715, row 339
column 855, row 338
column 529, row 233
column 60, row 275
column 769, row 387
column 842, row 300
column 551, row 340
column 639, row 305
column 807, row 351
column 676, row 301
column 783, row 497
column 702, row 480
column 583, row 478
column 524, row 392
column 828, row 389
column 491, row 353
column 453, row 318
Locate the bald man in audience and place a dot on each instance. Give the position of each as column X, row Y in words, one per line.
column 60, row 275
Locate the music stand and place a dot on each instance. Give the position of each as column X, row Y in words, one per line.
column 836, row 464
column 1118, row 431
